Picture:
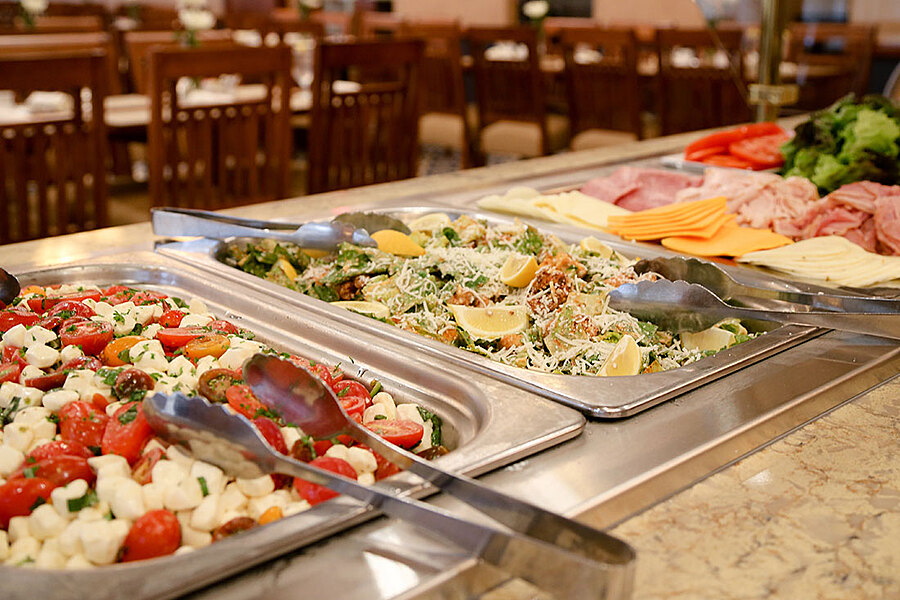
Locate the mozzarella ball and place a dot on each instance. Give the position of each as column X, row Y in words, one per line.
column 57, row 399
column 259, row 486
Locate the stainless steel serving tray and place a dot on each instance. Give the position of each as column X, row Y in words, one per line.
column 487, row 424
column 601, row 397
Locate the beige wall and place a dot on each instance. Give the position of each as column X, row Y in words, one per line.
column 468, row 12
column 682, row 13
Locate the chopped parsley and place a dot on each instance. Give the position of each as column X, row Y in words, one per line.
column 376, row 387
column 203, row 487
column 129, row 415
column 76, row 504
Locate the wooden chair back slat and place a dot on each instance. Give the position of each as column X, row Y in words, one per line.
column 52, row 172
column 379, row 24
column 61, row 24
column 139, row 44
column 370, row 135
column 602, row 94
column 220, row 155
column 699, row 97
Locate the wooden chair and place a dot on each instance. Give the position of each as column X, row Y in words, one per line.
column 52, row 176
column 52, row 24
column 602, row 86
column 554, row 27
column 446, row 119
column 833, row 59
column 368, row 135
column 334, row 23
column 139, row 44
column 224, row 154
column 378, row 24
column 701, row 95
column 512, row 115
column 146, row 17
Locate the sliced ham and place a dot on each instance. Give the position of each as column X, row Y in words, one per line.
column 638, row 188
column 887, row 222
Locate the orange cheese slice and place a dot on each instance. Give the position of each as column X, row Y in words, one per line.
column 672, row 212
column 706, row 229
column 730, row 240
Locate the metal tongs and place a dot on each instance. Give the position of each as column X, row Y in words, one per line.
column 351, row 228
column 563, row 557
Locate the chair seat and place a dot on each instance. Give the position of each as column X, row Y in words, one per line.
column 597, row 138
column 522, row 138
column 445, row 129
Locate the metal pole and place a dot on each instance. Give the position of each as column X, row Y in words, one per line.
column 772, row 25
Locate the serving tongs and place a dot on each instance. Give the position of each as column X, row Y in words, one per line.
column 563, row 557
column 726, row 288
column 680, row 306
column 352, row 228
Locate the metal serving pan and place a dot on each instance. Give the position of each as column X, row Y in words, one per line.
column 487, row 424
column 601, row 397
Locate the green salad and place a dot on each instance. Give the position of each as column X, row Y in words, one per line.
column 508, row 292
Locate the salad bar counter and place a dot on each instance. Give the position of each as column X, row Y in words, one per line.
column 493, row 335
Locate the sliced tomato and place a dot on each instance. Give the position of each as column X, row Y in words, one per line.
column 14, row 354
column 328, row 376
column 10, row 371
column 698, row 155
column 80, row 422
column 70, row 308
column 313, row 493
column 171, row 318
column 211, row 344
column 10, row 317
column 726, row 160
column 354, row 406
column 148, row 297
column 18, row 497
column 127, row 433
column 45, row 303
column 320, row 447
column 92, row 336
column 728, row 137
column 272, row 433
column 176, row 337
column 241, row 398
column 220, row 326
column 155, row 533
column 59, row 470
column 215, row 382
column 58, row 448
column 113, row 354
column 400, row 432
column 58, row 377
column 143, row 468
column 763, row 152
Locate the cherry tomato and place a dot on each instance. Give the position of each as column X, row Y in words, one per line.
column 45, row 303
column 57, row 378
column 241, row 399
column 127, row 433
column 176, row 337
column 70, row 308
column 100, row 401
column 58, row 470
column 10, row 317
column 763, row 152
column 92, row 336
column 328, row 376
column 18, row 497
column 214, row 383
column 116, row 289
column 302, row 450
column 148, row 297
column 385, row 467
column 236, row 525
column 220, row 326
column 10, row 371
column 143, row 468
column 14, row 354
column 313, row 493
column 113, row 351
column 272, row 433
column 155, row 533
column 402, row 432
column 320, row 447
column 354, row 406
column 171, row 318
column 59, row 448
column 132, row 380
column 353, row 396
column 80, row 422
column 211, row 344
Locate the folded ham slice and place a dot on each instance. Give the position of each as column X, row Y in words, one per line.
column 638, row 188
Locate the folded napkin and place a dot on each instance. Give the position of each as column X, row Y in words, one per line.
column 41, row 102
column 507, row 51
column 585, row 55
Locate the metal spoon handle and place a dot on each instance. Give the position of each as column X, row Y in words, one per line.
column 881, row 325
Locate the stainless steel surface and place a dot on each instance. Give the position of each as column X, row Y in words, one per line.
column 175, row 222
column 301, row 398
column 372, row 221
column 9, row 287
column 601, row 397
column 591, row 566
column 487, row 425
column 681, row 306
column 723, row 285
column 772, row 22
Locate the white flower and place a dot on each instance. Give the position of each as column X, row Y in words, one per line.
column 535, row 9
column 312, row 4
column 196, row 20
column 35, row 7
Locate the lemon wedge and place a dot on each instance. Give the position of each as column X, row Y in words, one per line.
column 714, row 338
column 518, row 271
column 365, row 307
column 491, row 322
column 394, row 242
column 315, row 252
column 430, row 222
column 287, row 268
column 592, row 244
column 625, row 359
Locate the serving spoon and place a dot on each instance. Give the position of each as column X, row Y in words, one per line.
column 9, row 287
column 216, row 435
column 302, row 398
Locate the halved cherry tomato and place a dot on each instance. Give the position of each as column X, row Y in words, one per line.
column 143, row 468
column 58, row 377
column 132, row 380
column 45, row 303
column 328, row 376
column 236, row 525
column 272, row 433
column 18, row 497
column 313, row 493
column 10, row 371
column 402, row 432
column 127, row 433
column 241, row 399
column 115, row 289
column 58, row 470
column 14, row 354
column 214, row 382
column 354, row 388
column 70, row 308
column 58, row 448
column 148, row 297
column 92, row 336
column 220, row 326
column 155, row 533
column 211, row 344
column 320, row 447
column 171, row 318
column 302, row 450
column 354, row 406
column 763, row 152
column 176, row 337
column 10, row 317
column 726, row 160
column 384, row 468
column 80, row 422
column 113, row 352
column 99, row 401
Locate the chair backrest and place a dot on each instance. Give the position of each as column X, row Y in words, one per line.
column 52, row 24
column 359, row 136
column 52, row 171
column 602, row 79
column 554, row 27
column 508, row 89
column 139, row 44
column 699, row 92
column 378, row 24
column 313, row 29
column 846, row 47
column 219, row 154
